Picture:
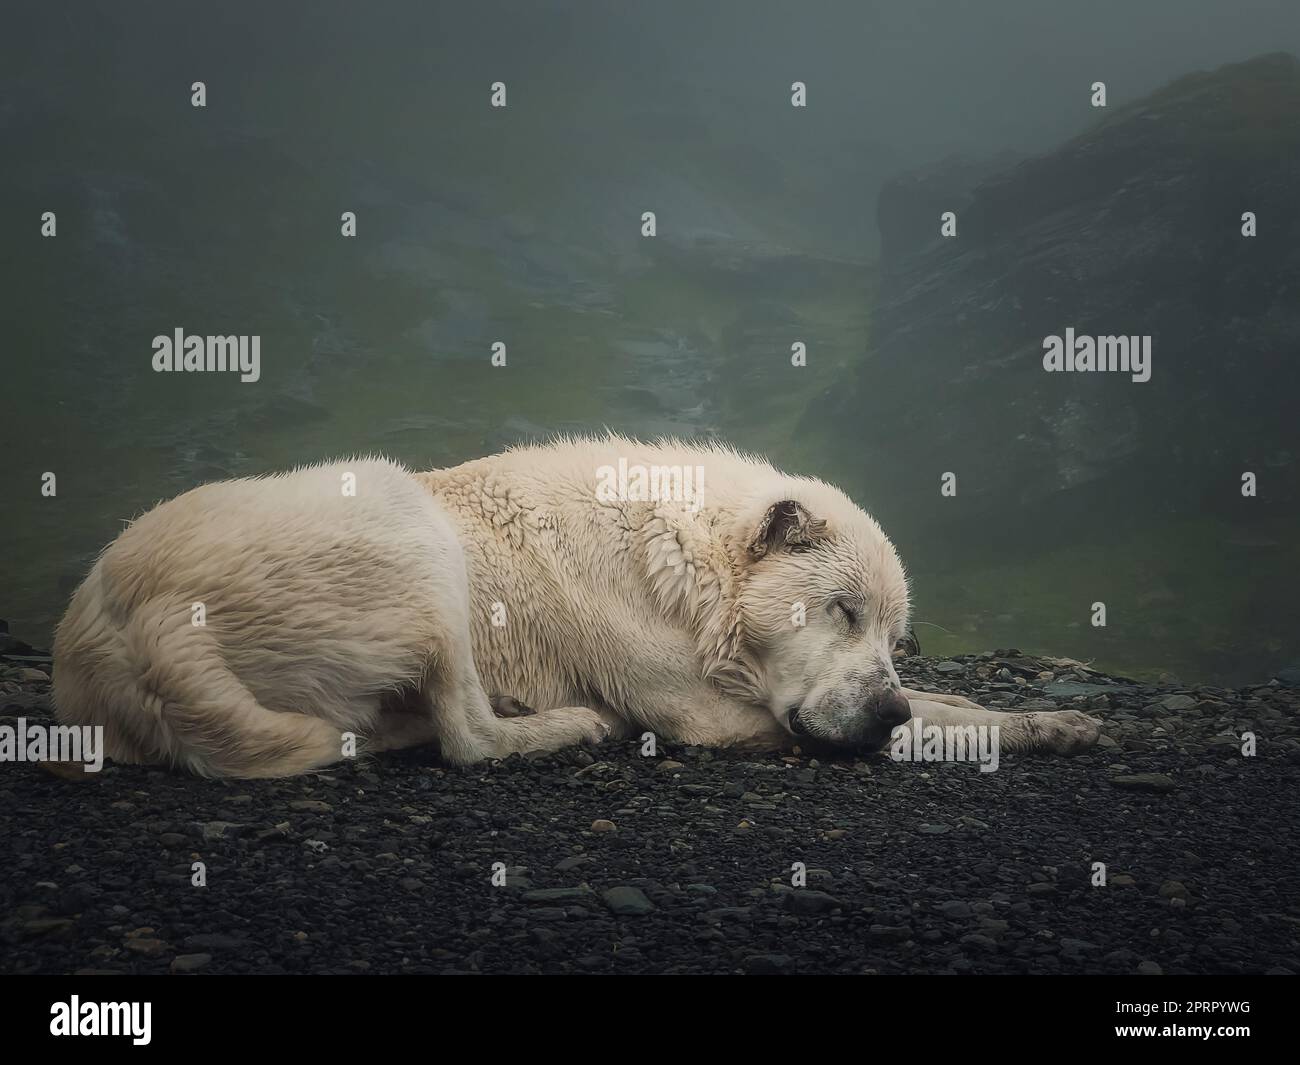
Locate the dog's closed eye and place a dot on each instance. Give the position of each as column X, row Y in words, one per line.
column 847, row 609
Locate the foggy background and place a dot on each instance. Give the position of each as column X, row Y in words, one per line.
column 523, row 225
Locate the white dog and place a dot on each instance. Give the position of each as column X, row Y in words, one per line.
column 268, row 626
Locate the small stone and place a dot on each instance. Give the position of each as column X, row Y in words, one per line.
column 806, row 902
column 275, row 834
column 219, row 830
column 47, row 926
column 627, row 901
column 730, row 913
column 950, row 667
column 669, row 766
column 150, row 948
column 1158, row 783
column 74, row 772
column 1173, row 889
column 602, row 825
column 1149, row 968
column 310, row 806
column 190, row 963
column 563, row 894
column 1177, row 702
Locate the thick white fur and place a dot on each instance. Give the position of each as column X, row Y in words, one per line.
column 393, row 614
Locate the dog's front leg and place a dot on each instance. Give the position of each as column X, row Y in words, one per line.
column 938, row 697
column 1064, row 732
column 706, row 717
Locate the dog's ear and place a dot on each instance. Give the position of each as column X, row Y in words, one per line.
column 786, row 524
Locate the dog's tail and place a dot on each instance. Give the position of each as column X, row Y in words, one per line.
column 226, row 732
column 164, row 692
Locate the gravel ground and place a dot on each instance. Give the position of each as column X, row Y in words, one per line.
column 682, row 862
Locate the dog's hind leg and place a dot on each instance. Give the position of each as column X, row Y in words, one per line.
column 462, row 720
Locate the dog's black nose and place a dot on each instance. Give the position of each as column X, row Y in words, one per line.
column 891, row 708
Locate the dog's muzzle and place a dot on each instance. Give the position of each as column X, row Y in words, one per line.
column 869, row 727
column 890, row 708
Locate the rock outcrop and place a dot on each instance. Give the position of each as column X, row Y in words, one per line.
column 1133, row 228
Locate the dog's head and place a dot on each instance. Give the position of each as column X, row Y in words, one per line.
column 822, row 602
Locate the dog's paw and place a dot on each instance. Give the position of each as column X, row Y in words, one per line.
column 581, row 724
column 1065, row 732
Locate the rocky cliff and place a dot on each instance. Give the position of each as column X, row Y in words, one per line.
column 1132, row 228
